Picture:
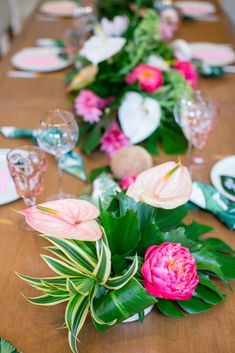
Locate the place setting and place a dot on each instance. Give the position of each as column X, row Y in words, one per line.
column 145, row 234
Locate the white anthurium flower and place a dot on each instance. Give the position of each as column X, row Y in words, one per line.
column 139, row 116
column 99, row 47
column 158, row 62
column 182, row 50
column 116, row 27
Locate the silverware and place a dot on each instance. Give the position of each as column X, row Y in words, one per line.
column 28, row 74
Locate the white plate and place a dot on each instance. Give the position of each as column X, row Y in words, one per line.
column 196, row 8
column 7, row 186
column 224, row 167
column 213, row 54
column 59, row 8
column 39, row 60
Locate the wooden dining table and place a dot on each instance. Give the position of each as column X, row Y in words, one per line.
column 34, row 329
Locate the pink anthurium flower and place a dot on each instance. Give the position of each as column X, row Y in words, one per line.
column 166, row 186
column 69, row 218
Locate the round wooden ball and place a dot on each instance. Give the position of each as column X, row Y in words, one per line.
column 130, row 161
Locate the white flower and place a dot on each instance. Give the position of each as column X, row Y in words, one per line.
column 139, row 116
column 99, row 48
column 116, row 27
column 182, row 50
column 158, row 62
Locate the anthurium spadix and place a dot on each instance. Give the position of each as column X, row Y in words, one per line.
column 69, row 218
column 139, row 116
column 99, row 47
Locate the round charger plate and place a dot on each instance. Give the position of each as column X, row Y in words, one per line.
column 213, row 54
column 39, row 60
column 196, row 8
column 7, row 186
column 59, row 8
column 224, row 167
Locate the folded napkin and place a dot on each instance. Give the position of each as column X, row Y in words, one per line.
column 208, row 198
column 7, row 347
column 71, row 163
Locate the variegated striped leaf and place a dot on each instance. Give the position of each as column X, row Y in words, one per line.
column 103, row 268
column 80, row 285
column 80, row 258
column 61, row 267
column 93, row 313
column 120, row 281
column 48, row 300
column 75, row 316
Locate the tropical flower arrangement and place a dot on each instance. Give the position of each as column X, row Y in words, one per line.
column 125, row 84
column 118, row 259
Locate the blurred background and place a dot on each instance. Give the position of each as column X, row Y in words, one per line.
column 13, row 14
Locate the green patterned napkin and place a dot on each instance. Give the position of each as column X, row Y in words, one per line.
column 208, row 198
column 72, row 162
column 7, row 347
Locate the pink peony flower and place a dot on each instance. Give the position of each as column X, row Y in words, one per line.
column 149, row 78
column 189, row 72
column 68, row 218
column 170, row 272
column 127, row 181
column 167, row 186
column 90, row 106
column 113, row 140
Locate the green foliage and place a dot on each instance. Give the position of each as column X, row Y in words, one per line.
column 105, row 277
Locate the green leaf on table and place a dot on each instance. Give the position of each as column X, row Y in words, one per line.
column 95, row 173
column 169, row 308
column 92, row 141
column 61, row 267
column 122, row 232
column 207, row 295
column 208, row 261
column 178, row 236
column 7, row 347
column 195, row 230
column 151, row 144
column 206, row 281
column 218, row 245
column 49, row 300
column 120, row 281
column 193, row 305
column 103, row 268
column 167, row 219
column 173, row 140
column 228, row 183
column 75, row 316
column 122, row 303
column 227, row 263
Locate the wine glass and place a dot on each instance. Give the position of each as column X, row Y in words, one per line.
column 57, row 134
column 27, row 165
column 196, row 116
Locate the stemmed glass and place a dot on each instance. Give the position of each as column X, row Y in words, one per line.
column 57, row 134
column 196, row 116
column 27, row 165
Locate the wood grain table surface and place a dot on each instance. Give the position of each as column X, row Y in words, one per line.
column 34, row 329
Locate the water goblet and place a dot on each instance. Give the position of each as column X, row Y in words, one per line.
column 57, row 134
column 196, row 116
column 27, row 165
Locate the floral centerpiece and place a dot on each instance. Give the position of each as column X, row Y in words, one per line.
column 125, row 85
column 129, row 254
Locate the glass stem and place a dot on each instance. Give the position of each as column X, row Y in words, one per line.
column 60, row 176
